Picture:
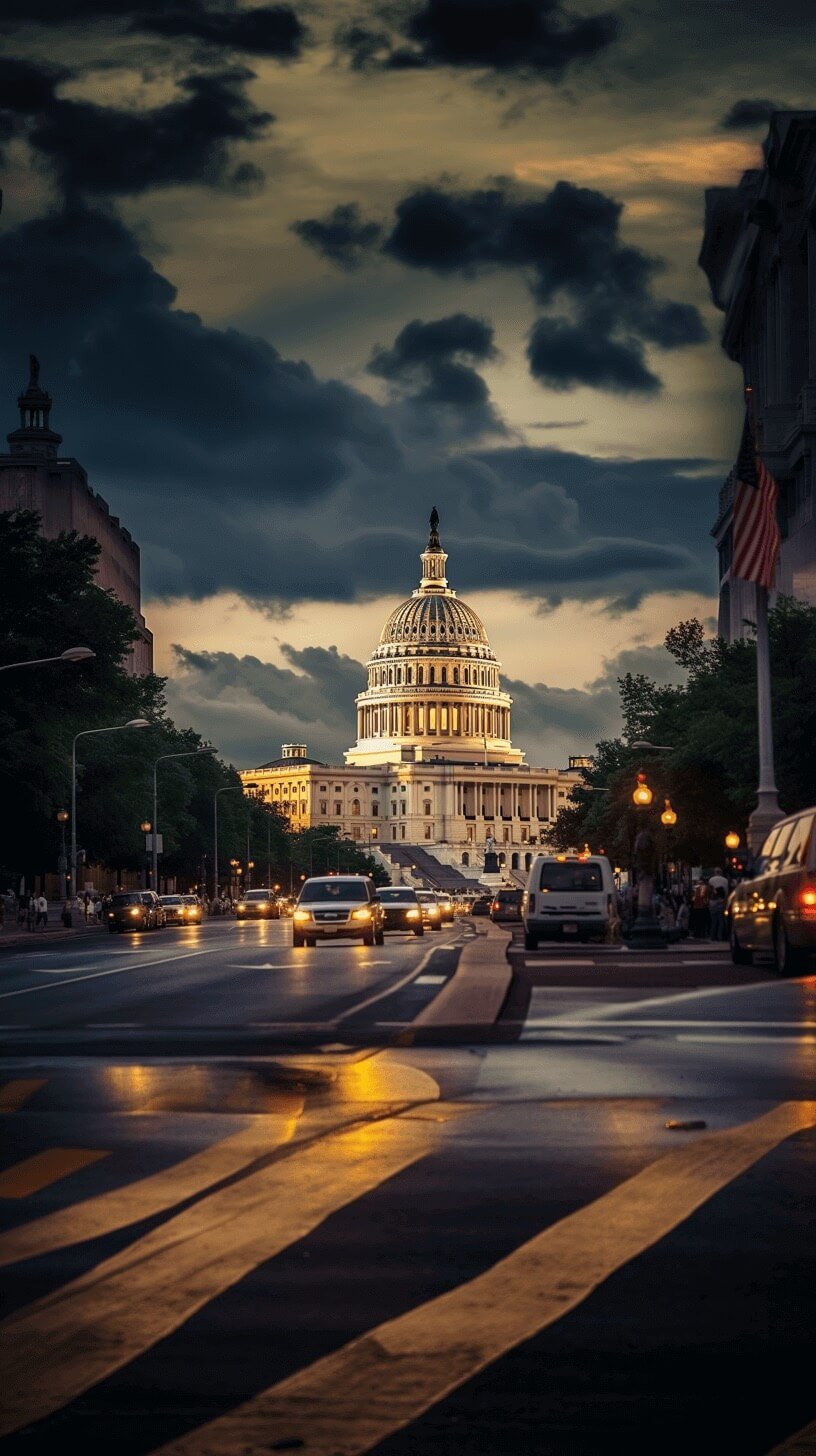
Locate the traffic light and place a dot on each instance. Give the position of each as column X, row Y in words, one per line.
column 738, row 862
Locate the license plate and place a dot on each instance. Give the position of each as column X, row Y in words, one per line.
column 569, row 928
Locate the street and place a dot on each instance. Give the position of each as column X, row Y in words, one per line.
column 249, row 1203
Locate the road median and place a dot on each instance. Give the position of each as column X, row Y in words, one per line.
column 474, row 996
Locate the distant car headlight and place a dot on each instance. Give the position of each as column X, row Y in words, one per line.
column 111, row 915
column 363, row 914
column 242, row 909
column 134, row 911
column 302, row 915
column 413, row 914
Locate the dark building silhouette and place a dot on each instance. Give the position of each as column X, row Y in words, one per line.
column 34, row 476
column 759, row 254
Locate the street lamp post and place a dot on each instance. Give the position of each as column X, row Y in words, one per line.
column 62, row 862
column 88, row 733
column 71, row 654
column 645, row 933
column 190, row 753
column 227, row 789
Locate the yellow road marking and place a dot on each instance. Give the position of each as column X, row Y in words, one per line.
column 84, row 1332
column 14, row 1095
column 43, row 1168
column 352, row 1400
column 145, row 1197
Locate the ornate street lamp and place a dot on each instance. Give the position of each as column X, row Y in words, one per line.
column 645, row 933
column 732, row 840
column 642, row 795
column 668, row 817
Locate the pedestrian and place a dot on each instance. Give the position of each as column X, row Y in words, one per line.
column 682, row 922
column 716, row 913
column 42, row 911
column 699, row 910
column 31, row 912
column 717, row 881
column 66, row 917
column 97, row 909
column 88, row 906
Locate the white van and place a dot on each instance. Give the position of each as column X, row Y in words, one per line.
column 568, row 897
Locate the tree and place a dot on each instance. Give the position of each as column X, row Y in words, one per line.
column 710, row 775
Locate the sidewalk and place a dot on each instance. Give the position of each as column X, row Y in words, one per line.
column 14, row 935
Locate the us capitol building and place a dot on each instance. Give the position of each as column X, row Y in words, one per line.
column 433, row 769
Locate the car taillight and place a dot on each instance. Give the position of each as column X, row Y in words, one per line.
column 807, row 902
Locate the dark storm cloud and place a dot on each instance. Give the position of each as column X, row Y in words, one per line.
column 342, row 236
column 27, row 87
column 567, row 243
column 267, row 30
column 431, row 364
column 263, row 30
column 748, row 113
column 102, row 149
column 534, row 37
column 157, row 396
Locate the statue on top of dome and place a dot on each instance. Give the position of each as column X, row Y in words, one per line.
column 433, row 539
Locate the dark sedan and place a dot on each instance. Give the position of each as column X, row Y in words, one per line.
column 258, row 905
column 136, row 910
column 402, row 910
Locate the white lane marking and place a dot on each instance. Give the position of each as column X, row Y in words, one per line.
column 114, row 971
column 264, row 966
column 430, row 980
column 390, row 990
column 698, row 995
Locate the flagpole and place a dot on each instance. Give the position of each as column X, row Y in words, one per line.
column 767, row 811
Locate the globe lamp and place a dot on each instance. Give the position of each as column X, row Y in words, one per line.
column 732, row 840
column 642, row 795
column 668, row 817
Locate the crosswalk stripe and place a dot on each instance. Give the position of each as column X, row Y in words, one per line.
column 45, row 1168
column 350, row 1401
column 93, row 1326
column 803, row 1443
column 145, row 1197
column 14, row 1095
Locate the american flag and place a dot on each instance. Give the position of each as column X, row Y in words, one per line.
column 755, row 529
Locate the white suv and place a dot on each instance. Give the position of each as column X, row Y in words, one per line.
column 330, row 906
column 568, row 897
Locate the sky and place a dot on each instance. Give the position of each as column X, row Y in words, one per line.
column 297, row 273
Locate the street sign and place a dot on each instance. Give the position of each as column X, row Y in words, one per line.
column 149, row 843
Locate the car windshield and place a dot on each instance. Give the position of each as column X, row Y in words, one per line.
column 172, row 900
column 392, row 897
column 119, row 900
column 257, row 895
column 574, row 876
column 189, row 900
column 332, row 890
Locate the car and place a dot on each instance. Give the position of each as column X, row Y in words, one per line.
column 182, row 909
column 330, row 906
column 431, row 909
column 775, row 910
column 135, row 910
column 445, row 903
column 481, row 905
column 401, row 909
column 568, row 897
column 506, row 905
column 258, row 905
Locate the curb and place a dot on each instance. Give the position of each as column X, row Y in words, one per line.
column 476, row 993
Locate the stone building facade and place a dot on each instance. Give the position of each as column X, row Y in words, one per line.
column 759, row 254
column 35, row 477
column 434, row 764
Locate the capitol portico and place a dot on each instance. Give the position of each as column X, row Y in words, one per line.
column 434, row 765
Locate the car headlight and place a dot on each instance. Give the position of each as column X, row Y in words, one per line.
column 134, row 911
column 110, row 915
column 412, row 914
column 302, row 915
column 242, row 909
column 363, row 914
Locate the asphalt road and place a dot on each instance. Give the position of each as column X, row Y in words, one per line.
column 338, row 1245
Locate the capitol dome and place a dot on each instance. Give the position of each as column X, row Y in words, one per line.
column 434, row 689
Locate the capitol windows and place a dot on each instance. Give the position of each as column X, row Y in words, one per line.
column 355, row 808
column 432, row 716
column 443, row 718
column 324, row 807
column 445, row 676
column 338, row 810
column 454, row 719
column 429, row 831
column 375, row 810
column 432, row 675
column 420, row 717
column 426, row 807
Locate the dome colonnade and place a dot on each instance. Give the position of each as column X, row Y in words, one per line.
column 434, row 689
